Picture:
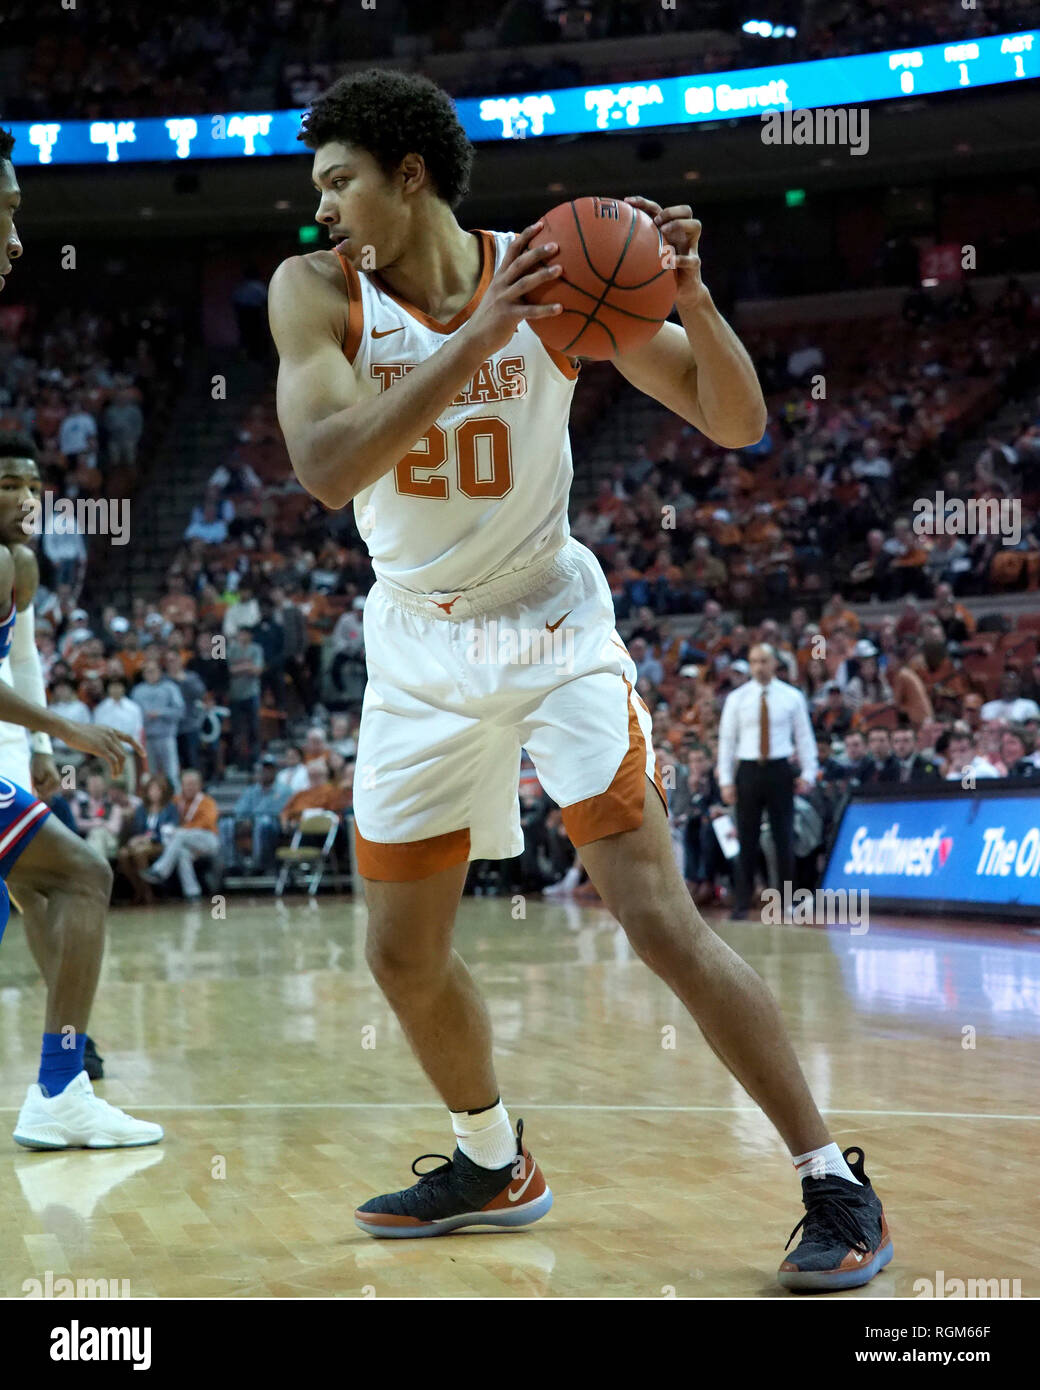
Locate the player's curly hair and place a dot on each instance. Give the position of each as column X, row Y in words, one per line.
column 391, row 114
column 6, row 144
column 14, row 445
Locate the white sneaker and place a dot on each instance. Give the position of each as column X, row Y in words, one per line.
column 566, row 885
column 78, row 1119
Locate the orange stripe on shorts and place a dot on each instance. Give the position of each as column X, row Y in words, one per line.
column 411, row 860
column 620, row 807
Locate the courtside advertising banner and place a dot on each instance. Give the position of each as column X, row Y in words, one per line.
column 968, row 850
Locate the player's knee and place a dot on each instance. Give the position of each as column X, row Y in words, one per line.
column 661, row 932
column 89, row 875
column 402, row 968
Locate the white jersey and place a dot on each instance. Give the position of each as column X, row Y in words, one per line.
column 484, row 493
column 14, row 740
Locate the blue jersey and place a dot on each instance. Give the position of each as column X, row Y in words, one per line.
column 7, row 631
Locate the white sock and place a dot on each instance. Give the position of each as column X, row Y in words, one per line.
column 486, row 1138
column 824, row 1163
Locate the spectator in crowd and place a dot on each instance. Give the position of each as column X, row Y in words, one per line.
column 704, row 858
column 962, row 761
column 882, row 765
column 77, row 437
column 912, row 766
column 868, row 686
column 65, row 548
column 152, row 822
column 343, row 735
column 294, row 628
column 292, row 776
column 98, row 818
column 234, row 480
column 245, row 664
column 123, row 423
column 119, row 711
column 1010, row 703
column 207, row 525
column 193, row 695
column 269, row 635
column 195, row 838
column 832, row 715
column 347, row 642
column 256, row 813
column 321, row 794
column 1019, row 753
column 245, row 612
column 162, row 708
column 855, row 764
column 177, row 606
column 67, row 705
column 647, row 665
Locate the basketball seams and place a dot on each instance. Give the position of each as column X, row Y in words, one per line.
column 609, row 283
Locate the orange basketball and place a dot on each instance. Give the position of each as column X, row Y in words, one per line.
column 615, row 288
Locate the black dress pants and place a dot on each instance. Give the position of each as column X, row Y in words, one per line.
column 769, row 787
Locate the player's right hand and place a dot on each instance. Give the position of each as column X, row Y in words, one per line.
column 503, row 308
column 102, row 742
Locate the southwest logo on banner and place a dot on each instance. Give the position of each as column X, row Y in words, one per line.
column 972, row 849
column 896, row 854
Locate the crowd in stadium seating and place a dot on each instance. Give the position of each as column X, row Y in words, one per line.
column 827, row 497
column 228, row 55
column 80, row 386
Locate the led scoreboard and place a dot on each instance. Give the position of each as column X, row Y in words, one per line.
column 673, row 101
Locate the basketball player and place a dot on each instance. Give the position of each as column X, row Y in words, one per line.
column 411, row 383
column 55, row 876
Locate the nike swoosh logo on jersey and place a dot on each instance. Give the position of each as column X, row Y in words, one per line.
column 515, row 1196
column 386, row 332
column 553, row 626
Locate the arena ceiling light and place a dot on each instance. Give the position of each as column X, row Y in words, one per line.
column 762, row 29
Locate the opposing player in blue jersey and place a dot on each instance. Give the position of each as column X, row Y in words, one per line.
column 44, row 861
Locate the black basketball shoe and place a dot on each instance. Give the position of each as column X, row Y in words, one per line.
column 845, row 1239
column 460, row 1193
column 93, row 1065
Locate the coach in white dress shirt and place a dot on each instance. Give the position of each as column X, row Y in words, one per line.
column 764, row 722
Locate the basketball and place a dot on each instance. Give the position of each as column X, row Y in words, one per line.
column 615, row 289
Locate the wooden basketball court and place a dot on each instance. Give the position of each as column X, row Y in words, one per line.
column 288, row 1095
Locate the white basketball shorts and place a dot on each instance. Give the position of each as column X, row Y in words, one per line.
column 459, row 683
column 15, row 755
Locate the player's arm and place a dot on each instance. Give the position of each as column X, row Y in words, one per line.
column 341, row 441
column 700, row 371
column 96, row 739
column 26, row 673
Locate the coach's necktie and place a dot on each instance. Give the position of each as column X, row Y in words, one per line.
column 763, row 730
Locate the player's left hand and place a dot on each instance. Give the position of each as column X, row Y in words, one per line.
column 45, row 776
column 682, row 231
